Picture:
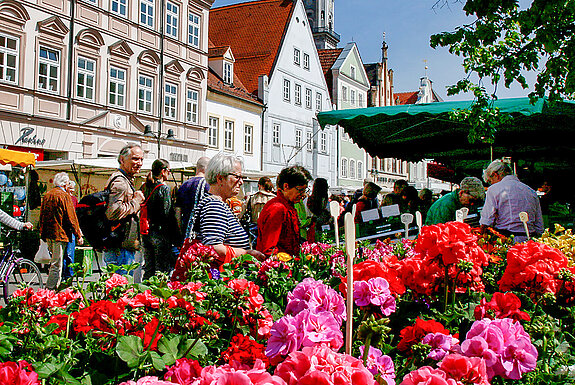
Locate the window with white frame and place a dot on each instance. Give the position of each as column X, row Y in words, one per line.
column 323, row 142
column 119, row 7
column 86, row 73
column 296, row 57
column 352, row 97
column 147, row 13
column 374, row 163
column 229, row 135
column 343, row 167
column 287, row 90
column 172, row 17
column 352, row 71
column 49, row 69
column 359, row 170
column 276, row 134
column 9, row 48
column 360, row 99
column 298, row 137
column 344, row 93
column 248, row 138
column 352, row 169
column 318, row 101
column 194, row 30
column 308, row 98
column 228, row 73
column 192, row 106
column 213, row 127
column 170, row 100
column 309, row 141
column 145, row 93
column 117, row 91
column 306, row 61
column 297, row 94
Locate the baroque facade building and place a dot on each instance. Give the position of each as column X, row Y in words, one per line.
column 81, row 78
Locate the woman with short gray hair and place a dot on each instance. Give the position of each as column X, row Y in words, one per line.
column 212, row 222
column 61, row 179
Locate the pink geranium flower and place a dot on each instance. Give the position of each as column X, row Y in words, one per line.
column 285, row 337
column 20, row 372
column 233, row 375
column 148, row 380
column 321, row 365
column 441, row 344
column 505, row 346
column 426, row 375
column 116, row 280
column 378, row 363
column 184, row 372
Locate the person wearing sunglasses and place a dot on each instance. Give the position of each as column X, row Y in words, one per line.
column 278, row 223
column 212, row 222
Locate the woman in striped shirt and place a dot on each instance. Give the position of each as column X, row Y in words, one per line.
column 214, row 224
column 14, row 223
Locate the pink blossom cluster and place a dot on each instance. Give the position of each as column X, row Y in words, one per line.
column 378, row 363
column 317, row 297
column 320, row 365
column 441, row 345
column 374, row 291
column 504, row 346
column 43, row 299
column 455, row 369
column 148, row 380
column 17, row 373
column 314, row 316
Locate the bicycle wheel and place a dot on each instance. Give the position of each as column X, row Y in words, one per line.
column 24, row 273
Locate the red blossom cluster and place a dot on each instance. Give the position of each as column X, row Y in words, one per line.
column 502, row 305
column 449, row 245
column 535, row 268
column 244, row 351
column 251, row 305
column 193, row 253
column 414, row 334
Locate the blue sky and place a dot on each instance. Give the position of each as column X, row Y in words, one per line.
column 408, row 24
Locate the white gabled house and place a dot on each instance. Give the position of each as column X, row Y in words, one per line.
column 276, row 59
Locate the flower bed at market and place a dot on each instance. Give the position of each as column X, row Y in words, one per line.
column 453, row 307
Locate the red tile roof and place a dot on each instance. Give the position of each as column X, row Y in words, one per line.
column 217, row 51
column 327, row 58
column 406, row 97
column 238, row 90
column 254, row 30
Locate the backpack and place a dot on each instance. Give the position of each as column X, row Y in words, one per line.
column 100, row 232
column 144, row 220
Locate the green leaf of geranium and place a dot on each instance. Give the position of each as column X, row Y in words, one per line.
column 169, row 347
column 158, row 361
column 5, row 346
column 46, row 369
column 130, row 350
column 197, row 350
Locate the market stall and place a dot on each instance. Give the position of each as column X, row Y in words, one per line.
column 14, row 181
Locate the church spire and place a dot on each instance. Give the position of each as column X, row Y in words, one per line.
column 384, row 47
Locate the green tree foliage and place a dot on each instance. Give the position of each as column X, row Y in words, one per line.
column 502, row 44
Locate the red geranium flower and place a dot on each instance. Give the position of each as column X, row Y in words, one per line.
column 244, row 351
column 101, row 318
column 17, row 373
column 365, row 270
column 412, row 335
column 502, row 305
column 147, row 333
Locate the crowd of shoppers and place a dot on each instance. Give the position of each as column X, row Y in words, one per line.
column 205, row 209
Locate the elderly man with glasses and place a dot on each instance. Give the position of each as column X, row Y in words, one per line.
column 278, row 223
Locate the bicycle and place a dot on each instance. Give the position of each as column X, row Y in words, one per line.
column 16, row 271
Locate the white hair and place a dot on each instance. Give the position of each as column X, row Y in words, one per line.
column 61, row 179
column 221, row 164
column 497, row 166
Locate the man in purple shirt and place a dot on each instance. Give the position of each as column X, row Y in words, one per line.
column 505, row 199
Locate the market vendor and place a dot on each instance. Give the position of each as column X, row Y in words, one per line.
column 469, row 194
column 278, row 225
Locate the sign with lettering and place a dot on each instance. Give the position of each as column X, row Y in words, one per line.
column 175, row 157
column 28, row 137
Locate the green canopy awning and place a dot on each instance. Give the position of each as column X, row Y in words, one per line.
column 542, row 132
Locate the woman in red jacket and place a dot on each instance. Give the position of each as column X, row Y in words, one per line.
column 278, row 224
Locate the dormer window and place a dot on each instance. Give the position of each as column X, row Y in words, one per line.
column 228, row 73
